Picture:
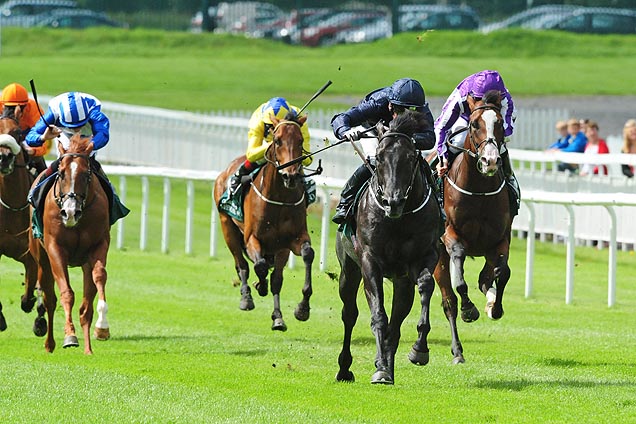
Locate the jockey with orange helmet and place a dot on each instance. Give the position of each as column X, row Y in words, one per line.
column 260, row 135
column 15, row 99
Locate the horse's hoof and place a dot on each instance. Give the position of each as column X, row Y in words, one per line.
column 247, row 303
column 346, row 376
column 261, row 288
column 39, row 327
column 279, row 325
column 493, row 312
column 458, row 360
column 70, row 341
column 3, row 322
column 102, row 333
column 27, row 303
column 301, row 312
column 381, row 377
column 418, row 358
column 470, row 314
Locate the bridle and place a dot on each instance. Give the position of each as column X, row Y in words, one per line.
column 378, row 193
column 82, row 197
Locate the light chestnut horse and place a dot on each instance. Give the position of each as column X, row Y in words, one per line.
column 15, row 181
column 275, row 221
column 76, row 232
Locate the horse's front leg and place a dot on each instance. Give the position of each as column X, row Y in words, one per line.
column 97, row 271
column 86, row 310
column 403, row 294
column 374, row 291
column 457, row 256
column 305, row 250
column 30, row 281
column 425, row 286
column 280, row 259
column 494, row 286
column 59, row 268
column 449, row 304
column 261, row 267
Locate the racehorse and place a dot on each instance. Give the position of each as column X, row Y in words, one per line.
column 397, row 237
column 76, row 232
column 478, row 219
column 15, row 181
column 275, row 220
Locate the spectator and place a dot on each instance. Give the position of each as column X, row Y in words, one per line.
column 575, row 143
column 562, row 129
column 629, row 145
column 595, row 145
column 584, row 123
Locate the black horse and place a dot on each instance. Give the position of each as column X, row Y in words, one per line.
column 397, row 237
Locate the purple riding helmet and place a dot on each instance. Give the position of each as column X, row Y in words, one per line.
column 484, row 81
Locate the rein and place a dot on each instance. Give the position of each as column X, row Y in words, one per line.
column 59, row 199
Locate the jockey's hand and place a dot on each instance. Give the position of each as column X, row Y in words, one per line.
column 30, row 150
column 352, row 135
column 442, row 167
column 51, row 132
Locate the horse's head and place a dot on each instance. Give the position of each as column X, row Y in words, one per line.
column 397, row 163
column 287, row 146
column 486, row 133
column 10, row 135
column 74, row 178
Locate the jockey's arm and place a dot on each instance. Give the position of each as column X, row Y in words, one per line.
column 306, row 144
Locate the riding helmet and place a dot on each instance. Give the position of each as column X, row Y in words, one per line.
column 74, row 109
column 407, row 92
column 14, row 94
column 485, row 81
column 276, row 106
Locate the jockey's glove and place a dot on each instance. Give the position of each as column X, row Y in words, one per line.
column 352, row 135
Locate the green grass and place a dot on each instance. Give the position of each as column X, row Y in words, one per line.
column 216, row 72
column 182, row 351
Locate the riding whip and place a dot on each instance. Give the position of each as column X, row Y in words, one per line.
column 35, row 96
column 318, row 93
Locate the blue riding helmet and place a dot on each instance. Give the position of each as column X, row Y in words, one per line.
column 407, row 92
column 74, row 110
column 276, row 106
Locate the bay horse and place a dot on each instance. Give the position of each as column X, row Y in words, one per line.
column 476, row 201
column 397, row 237
column 275, row 220
column 76, row 232
column 15, row 180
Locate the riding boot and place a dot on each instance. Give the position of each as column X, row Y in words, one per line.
column 513, row 184
column 349, row 192
column 236, row 178
column 439, row 197
column 52, row 169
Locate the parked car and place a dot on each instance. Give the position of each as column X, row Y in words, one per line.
column 596, row 20
column 423, row 17
column 299, row 19
column 25, row 13
column 77, row 19
column 375, row 30
column 244, row 16
column 326, row 31
column 529, row 17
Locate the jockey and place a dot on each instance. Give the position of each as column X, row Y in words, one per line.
column 456, row 115
column 260, row 135
column 381, row 105
column 15, row 96
column 69, row 114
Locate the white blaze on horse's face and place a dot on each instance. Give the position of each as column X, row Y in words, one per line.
column 71, row 209
column 489, row 157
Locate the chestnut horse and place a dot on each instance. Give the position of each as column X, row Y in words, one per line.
column 397, row 237
column 15, row 181
column 478, row 219
column 275, row 220
column 76, row 232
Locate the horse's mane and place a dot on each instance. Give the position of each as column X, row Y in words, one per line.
column 8, row 112
column 492, row 97
column 409, row 122
column 292, row 116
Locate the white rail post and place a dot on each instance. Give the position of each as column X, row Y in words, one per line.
column 165, row 223
column 214, row 215
column 143, row 226
column 189, row 217
column 569, row 263
column 120, row 224
column 611, row 270
column 530, row 250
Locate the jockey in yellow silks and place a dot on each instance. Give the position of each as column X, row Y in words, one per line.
column 261, row 134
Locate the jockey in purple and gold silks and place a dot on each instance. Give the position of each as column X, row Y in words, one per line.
column 456, row 114
column 261, row 134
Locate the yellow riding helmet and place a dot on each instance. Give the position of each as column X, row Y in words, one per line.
column 276, row 106
column 14, row 94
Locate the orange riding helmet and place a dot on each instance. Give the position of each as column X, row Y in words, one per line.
column 14, row 94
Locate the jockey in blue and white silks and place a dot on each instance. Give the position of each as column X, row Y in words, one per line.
column 72, row 110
